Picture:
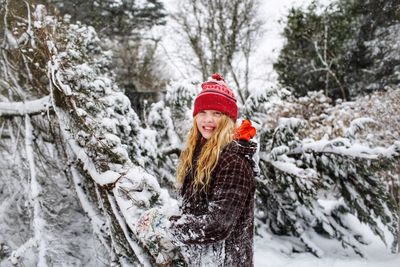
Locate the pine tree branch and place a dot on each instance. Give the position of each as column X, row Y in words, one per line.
column 170, row 150
column 355, row 151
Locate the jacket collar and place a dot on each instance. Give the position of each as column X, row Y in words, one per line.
column 247, row 148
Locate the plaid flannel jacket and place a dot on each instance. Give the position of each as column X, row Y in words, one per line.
column 222, row 217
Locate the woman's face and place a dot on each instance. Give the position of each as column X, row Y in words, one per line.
column 207, row 122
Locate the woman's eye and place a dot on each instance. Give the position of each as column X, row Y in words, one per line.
column 217, row 114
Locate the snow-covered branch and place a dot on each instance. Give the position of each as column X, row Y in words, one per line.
column 140, row 254
column 290, row 168
column 96, row 219
column 23, row 108
column 108, row 177
column 341, row 146
column 38, row 221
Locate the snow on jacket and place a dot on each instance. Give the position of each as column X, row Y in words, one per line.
column 217, row 225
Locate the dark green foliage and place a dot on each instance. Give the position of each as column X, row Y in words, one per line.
column 314, row 51
column 125, row 25
column 110, row 18
column 374, row 57
column 346, row 50
column 363, row 192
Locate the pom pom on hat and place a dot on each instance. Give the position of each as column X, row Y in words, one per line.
column 216, row 95
column 218, row 77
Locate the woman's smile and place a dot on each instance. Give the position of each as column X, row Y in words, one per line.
column 208, row 128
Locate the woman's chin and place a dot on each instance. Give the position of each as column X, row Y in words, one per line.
column 207, row 135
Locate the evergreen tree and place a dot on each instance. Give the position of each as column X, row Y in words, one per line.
column 374, row 54
column 124, row 27
column 346, row 50
column 310, row 187
column 114, row 18
column 168, row 121
column 314, row 52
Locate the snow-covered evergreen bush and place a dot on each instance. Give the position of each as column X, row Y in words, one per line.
column 313, row 178
column 69, row 129
column 303, row 176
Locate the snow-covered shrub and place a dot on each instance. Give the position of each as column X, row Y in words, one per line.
column 301, row 178
column 81, row 139
column 329, row 161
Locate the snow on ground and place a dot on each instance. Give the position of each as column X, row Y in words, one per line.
column 271, row 258
column 267, row 254
column 273, row 251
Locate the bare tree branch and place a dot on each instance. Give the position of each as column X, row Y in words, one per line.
column 220, row 33
column 33, row 107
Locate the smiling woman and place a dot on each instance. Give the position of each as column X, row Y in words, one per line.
column 217, row 184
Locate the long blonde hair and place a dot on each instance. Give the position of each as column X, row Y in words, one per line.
column 209, row 154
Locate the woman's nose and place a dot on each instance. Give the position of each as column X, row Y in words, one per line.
column 208, row 118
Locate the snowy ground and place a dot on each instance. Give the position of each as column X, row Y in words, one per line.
column 267, row 254
column 272, row 251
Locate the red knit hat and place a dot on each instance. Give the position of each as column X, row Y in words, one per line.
column 216, row 95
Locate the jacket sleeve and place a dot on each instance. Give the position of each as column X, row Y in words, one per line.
column 234, row 182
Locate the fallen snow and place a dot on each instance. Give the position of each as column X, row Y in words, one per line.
column 268, row 254
column 274, row 251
